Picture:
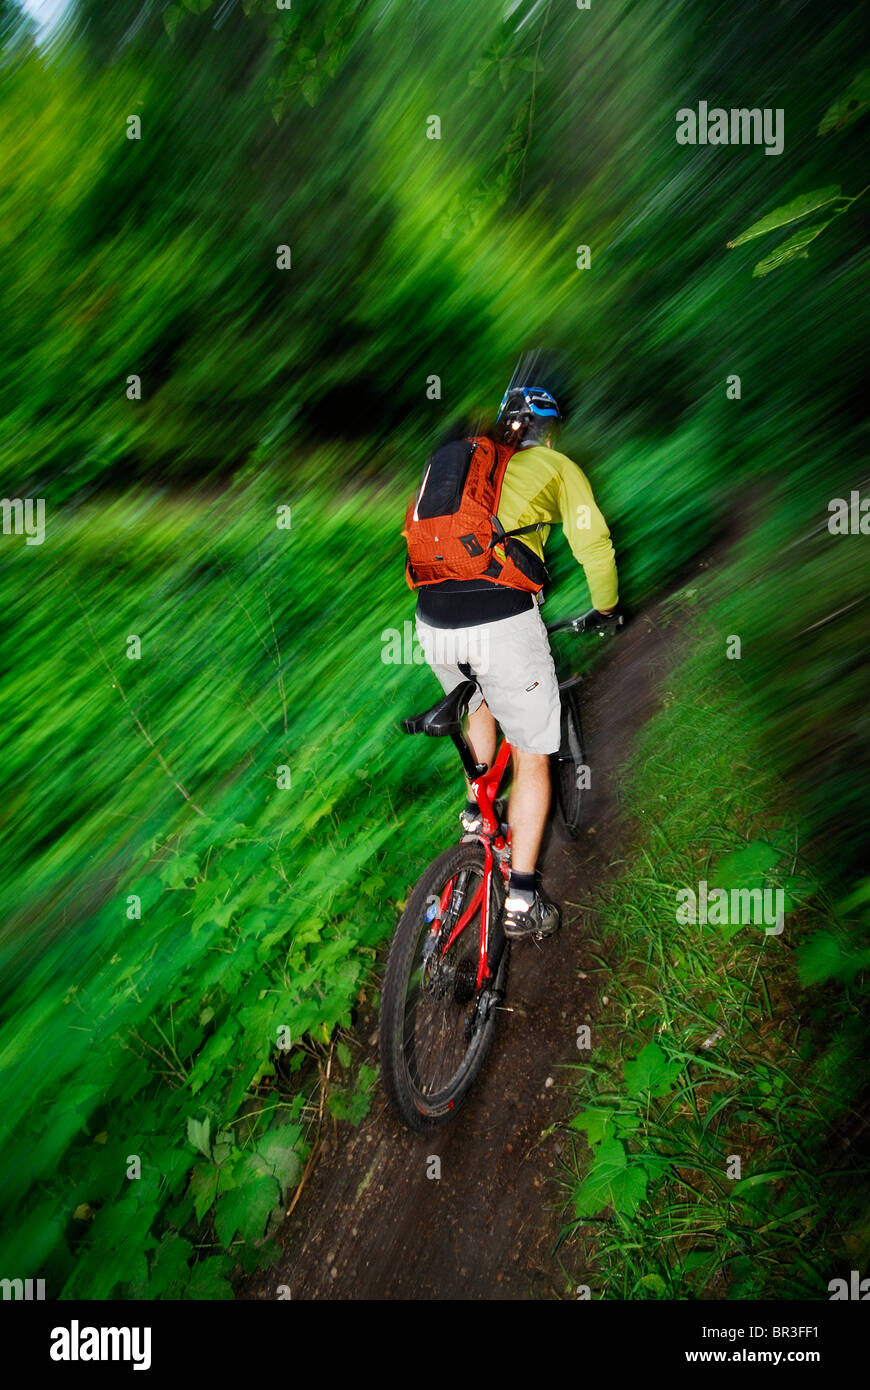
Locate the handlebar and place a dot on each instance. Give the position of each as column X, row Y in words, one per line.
column 591, row 621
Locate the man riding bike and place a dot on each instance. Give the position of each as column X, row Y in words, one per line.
column 518, row 678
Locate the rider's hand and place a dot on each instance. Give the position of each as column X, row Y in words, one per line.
column 601, row 621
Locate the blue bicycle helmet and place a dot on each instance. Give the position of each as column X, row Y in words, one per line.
column 527, row 414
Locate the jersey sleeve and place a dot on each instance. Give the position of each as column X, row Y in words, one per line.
column 587, row 534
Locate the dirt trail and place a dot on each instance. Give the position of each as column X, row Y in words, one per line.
column 370, row 1224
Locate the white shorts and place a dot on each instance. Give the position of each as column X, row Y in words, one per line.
column 513, row 664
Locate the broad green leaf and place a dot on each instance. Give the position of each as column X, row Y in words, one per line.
column 206, row 1065
column 246, row 1210
column 203, row 1188
column 286, row 1166
column 223, row 1146
column 790, row 250
column 342, row 1051
column 266, row 944
column 822, row 957
column 655, row 1283
column 650, row 1071
column 746, row 867
column 597, row 1125
column 209, row 1279
column 611, row 1182
column 198, row 1134
column 799, row 207
column 281, row 1137
column 213, row 901
column 170, row 1269
column 349, row 1105
column 278, row 1150
column 819, row 958
column 177, row 870
column 849, row 107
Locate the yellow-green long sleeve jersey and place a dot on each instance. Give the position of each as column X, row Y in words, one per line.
column 540, row 485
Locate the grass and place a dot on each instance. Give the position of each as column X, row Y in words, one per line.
column 720, row 1102
column 176, row 907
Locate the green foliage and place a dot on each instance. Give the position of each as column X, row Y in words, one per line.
column 850, row 107
column 717, row 1050
column 832, row 955
column 354, row 1102
column 155, row 1032
column 799, row 207
column 650, row 1073
column 258, row 912
column 847, row 109
column 793, row 247
column 611, row 1181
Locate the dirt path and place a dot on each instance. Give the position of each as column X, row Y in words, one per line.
column 370, row 1223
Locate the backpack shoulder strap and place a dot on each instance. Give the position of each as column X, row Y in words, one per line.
column 503, row 458
column 502, row 534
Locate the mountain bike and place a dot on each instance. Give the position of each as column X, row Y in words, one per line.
column 447, row 969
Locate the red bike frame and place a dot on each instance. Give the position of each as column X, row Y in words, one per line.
column 485, row 789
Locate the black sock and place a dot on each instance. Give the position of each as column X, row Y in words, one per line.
column 522, row 886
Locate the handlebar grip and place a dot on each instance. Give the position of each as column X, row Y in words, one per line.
column 591, row 621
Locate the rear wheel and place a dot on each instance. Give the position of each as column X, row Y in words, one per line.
column 570, row 771
column 435, row 1028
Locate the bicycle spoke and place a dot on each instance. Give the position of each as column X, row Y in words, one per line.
column 434, row 1033
column 441, row 992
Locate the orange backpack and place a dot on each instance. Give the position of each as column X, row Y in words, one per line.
column 452, row 528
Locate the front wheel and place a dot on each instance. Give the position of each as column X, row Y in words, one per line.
column 570, row 770
column 436, row 1029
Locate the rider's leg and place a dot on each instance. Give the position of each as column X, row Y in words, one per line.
column 480, row 736
column 527, row 911
column 528, row 807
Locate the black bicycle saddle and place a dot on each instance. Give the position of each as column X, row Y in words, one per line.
column 445, row 717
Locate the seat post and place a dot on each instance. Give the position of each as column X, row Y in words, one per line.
column 473, row 770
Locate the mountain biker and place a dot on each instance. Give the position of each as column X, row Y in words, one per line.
column 518, row 679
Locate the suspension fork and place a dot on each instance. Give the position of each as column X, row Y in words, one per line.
column 482, row 899
column 486, row 889
column 485, row 783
